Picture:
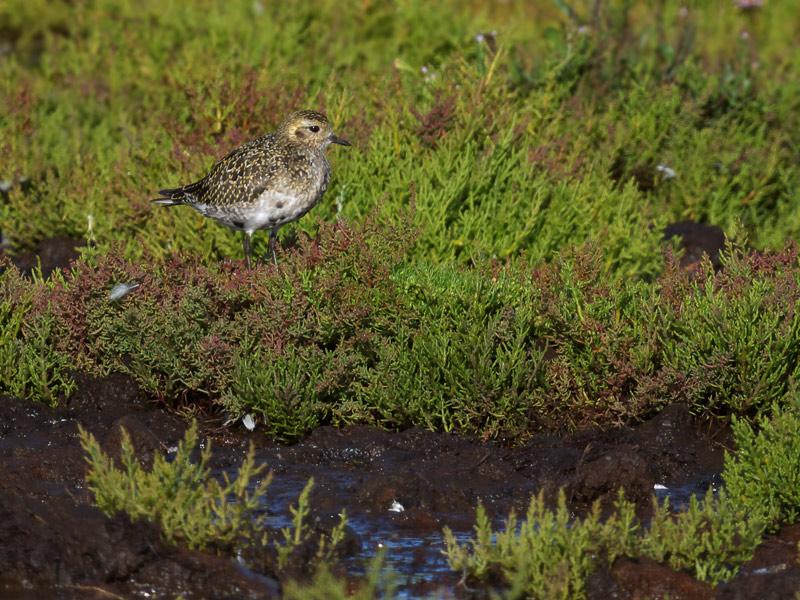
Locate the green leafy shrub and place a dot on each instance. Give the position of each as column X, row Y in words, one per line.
column 194, row 508
column 465, row 358
column 189, row 505
column 299, row 533
column 549, row 554
column 345, row 332
column 711, row 538
column 602, row 340
column 30, row 366
column 507, row 193
column 545, row 555
column 764, row 472
column 736, row 335
column 281, row 389
column 545, row 134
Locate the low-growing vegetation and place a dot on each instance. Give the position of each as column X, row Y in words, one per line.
column 549, row 554
column 29, row 366
column 341, row 334
column 504, row 269
column 711, row 538
column 180, row 495
column 764, row 472
column 512, row 128
column 489, row 259
column 192, row 507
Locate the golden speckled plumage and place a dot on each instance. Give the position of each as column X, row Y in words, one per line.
column 265, row 183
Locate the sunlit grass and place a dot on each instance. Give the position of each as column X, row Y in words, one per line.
column 508, row 129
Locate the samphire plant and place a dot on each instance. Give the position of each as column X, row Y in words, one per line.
column 180, row 495
column 194, row 508
column 346, row 332
column 549, row 554
column 764, row 472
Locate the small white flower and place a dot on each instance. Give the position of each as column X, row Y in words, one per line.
column 340, row 199
column 658, row 486
column 668, row 172
column 427, row 74
column 396, row 507
column 249, row 422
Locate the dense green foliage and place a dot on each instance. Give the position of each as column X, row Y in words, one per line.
column 764, row 473
column 340, row 334
column 509, row 127
column 503, row 269
column 189, row 505
column 29, row 366
column 192, row 507
column 710, row 539
column 548, row 554
column 488, row 258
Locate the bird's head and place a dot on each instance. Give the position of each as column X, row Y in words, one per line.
column 310, row 129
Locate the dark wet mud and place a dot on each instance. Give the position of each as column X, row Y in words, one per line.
column 56, row 545
column 697, row 240
column 50, row 254
column 401, row 489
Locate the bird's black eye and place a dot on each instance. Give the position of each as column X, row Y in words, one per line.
column 314, row 128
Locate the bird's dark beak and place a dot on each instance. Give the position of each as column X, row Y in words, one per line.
column 335, row 139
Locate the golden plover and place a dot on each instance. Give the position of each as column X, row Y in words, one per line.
column 270, row 181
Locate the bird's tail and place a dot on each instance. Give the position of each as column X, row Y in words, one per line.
column 177, row 196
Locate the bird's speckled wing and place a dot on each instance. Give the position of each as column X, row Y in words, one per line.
column 241, row 177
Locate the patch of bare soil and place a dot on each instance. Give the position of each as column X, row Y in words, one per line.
column 697, row 240
column 52, row 253
column 55, row 544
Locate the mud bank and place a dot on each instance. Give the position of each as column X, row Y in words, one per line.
column 55, row 543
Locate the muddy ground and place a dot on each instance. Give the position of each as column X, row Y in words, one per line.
column 55, row 544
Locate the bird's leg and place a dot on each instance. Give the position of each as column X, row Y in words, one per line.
column 273, row 236
column 248, row 251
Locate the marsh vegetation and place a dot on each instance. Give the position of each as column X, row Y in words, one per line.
column 489, row 265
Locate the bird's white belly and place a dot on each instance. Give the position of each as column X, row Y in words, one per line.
column 274, row 209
